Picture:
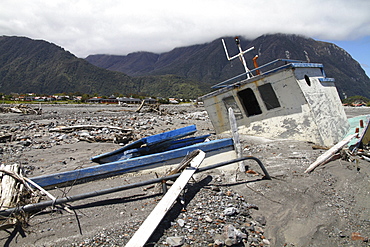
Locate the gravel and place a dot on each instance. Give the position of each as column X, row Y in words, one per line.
column 329, row 207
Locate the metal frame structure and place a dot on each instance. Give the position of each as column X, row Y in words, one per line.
column 45, row 204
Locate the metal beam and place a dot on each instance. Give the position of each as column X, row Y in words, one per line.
column 44, row 204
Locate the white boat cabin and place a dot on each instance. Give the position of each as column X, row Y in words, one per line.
column 292, row 100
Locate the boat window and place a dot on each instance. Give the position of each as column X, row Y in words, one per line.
column 249, row 102
column 307, row 79
column 230, row 102
column 268, row 96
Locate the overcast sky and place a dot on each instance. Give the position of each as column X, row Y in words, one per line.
column 86, row 27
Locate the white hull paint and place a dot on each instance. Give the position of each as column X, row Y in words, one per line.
column 295, row 101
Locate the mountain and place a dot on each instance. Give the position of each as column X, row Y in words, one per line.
column 207, row 63
column 37, row 66
column 41, row 67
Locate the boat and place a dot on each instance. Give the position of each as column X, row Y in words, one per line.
column 283, row 99
column 216, row 151
column 150, row 144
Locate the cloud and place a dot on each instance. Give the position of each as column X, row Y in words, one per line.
column 118, row 27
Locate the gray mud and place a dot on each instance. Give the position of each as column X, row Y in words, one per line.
column 328, row 207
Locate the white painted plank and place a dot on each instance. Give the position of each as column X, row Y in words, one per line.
column 236, row 138
column 325, row 156
column 142, row 235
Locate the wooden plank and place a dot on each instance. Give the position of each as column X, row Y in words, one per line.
column 119, row 167
column 236, row 139
column 328, row 154
column 142, row 235
column 9, row 186
column 85, row 127
column 147, row 141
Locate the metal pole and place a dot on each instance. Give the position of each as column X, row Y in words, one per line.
column 241, row 56
column 41, row 205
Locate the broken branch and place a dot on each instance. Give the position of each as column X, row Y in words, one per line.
column 86, row 127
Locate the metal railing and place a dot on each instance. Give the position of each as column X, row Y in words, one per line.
column 221, row 84
column 45, row 204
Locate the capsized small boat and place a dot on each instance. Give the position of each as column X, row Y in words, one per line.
column 284, row 98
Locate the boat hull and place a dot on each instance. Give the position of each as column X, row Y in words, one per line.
column 294, row 102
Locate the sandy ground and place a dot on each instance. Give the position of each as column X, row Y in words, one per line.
column 329, row 207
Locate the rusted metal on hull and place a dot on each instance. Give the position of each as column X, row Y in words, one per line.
column 294, row 101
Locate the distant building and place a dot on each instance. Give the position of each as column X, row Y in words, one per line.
column 98, row 100
column 173, row 101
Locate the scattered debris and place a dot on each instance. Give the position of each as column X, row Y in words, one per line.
column 81, row 133
column 207, row 222
column 354, row 144
column 147, row 145
column 15, row 192
column 68, row 129
column 21, row 109
column 150, row 224
column 328, row 154
column 128, row 165
column 203, row 222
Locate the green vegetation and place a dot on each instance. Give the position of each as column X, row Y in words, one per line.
column 74, row 98
column 41, row 67
column 168, row 86
column 356, row 101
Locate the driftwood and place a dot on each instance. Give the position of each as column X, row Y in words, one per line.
column 152, row 108
column 141, row 106
column 15, row 192
column 85, row 127
column 179, row 168
column 115, row 139
column 319, row 147
column 184, row 163
column 328, row 154
column 142, row 235
column 21, row 109
column 155, row 108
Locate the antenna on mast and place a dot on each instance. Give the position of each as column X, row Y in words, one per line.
column 240, row 55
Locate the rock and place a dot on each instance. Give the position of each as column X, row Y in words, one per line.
column 229, row 193
column 255, row 240
column 215, row 188
column 25, row 143
column 245, row 243
column 261, row 220
column 259, row 229
column 250, row 206
column 218, row 243
column 266, row 242
column 181, row 222
column 229, row 242
column 208, row 219
column 230, row 211
column 356, row 236
column 175, row 241
column 232, row 235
